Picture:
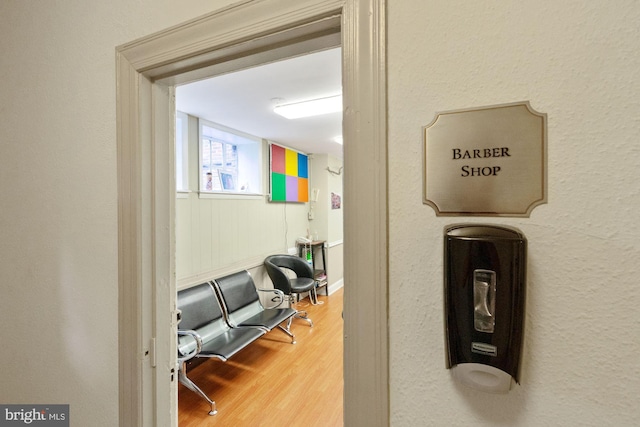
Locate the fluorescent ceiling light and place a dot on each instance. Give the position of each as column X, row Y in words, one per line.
column 314, row 107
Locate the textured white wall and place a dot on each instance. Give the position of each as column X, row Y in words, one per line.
column 578, row 62
column 334, row 185
column 59, row 275
column 327, row 222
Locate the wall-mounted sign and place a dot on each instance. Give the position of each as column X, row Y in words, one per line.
column 488, row 161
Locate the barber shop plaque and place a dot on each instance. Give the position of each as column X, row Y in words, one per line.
column 487, row 161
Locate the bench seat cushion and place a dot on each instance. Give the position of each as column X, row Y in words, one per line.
column 269, row 318
column 231, row 342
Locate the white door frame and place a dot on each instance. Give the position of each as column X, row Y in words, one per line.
column 146, row 70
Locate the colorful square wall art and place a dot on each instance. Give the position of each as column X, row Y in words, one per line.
column 289, row 175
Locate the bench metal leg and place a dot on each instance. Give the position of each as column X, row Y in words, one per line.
column 300, row 314
column 288, row 332
column 184, row 380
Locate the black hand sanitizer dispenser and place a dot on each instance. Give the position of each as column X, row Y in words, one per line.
column 484, row 298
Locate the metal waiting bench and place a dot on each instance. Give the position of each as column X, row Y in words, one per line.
column 222, row 317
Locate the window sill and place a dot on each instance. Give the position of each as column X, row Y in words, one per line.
column 230, row 195
column 182, row 194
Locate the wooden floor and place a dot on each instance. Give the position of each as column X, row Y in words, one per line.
column 273, row 382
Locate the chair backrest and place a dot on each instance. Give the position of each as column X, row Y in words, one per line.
column 201, row 312
column 274, row 265
column 239, row 296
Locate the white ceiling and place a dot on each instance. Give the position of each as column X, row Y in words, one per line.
column 244, row 100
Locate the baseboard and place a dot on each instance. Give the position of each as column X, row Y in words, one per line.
column 335, row 286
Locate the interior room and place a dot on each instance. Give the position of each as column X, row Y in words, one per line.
column 230, row 214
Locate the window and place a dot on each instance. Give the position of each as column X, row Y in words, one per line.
column 182, row 152
column 230, row 161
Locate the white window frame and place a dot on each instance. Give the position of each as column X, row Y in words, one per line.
column 248, row 180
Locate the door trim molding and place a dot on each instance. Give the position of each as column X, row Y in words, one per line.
column 146, row 221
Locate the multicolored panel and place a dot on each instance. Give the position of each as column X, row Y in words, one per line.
column 289, row 175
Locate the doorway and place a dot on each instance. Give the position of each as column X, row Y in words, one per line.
column 147, row 70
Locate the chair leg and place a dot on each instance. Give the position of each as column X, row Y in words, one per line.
column 303, row 315
column 300, row 314
column 184, row 380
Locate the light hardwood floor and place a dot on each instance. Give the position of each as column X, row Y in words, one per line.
column 273, row 382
